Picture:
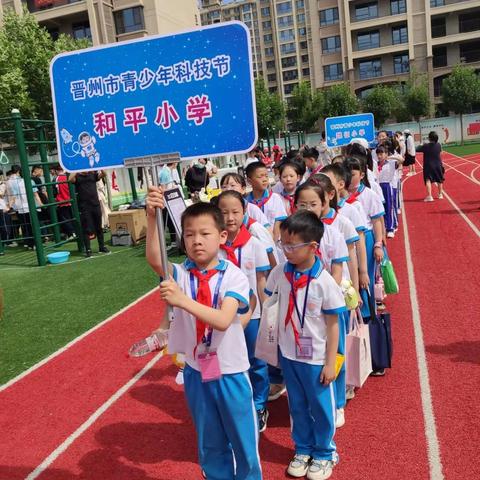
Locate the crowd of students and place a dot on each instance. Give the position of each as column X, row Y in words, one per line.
column 307, row 235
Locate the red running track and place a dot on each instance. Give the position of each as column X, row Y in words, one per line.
column 147, row 433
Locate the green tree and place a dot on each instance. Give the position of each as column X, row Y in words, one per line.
column 460, row 90
column 270, row 109
column 339, row 100
column 382, row 101
column 304, row 107
column 24, row 77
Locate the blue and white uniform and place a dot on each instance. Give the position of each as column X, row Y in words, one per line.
column 386, row 177
column 273, row 208
column 356, row 216
column 311, row 404
column 223, row 410
column 256, row 213
column 253, row 258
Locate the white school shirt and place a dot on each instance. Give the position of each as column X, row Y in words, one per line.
column 273, row 208
column 333, row 247
column 374, row 185
column 253, row 258
column 357, row 217
column 371, row 203
column 387, row 173
column 16, row 188
column 230, row 344
column 263, row 234
column 254, row 212
column 278, row 187
column 325, row 297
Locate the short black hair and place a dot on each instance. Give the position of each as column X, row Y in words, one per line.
column 253, row 167
column 311, row 153
column 16, row 169
column 337, row 170
column 325, row 182
column 236, row 176
column 433, row 137
column 230, row 193
column 305, row 224
column 203, row 208
column 295, row 165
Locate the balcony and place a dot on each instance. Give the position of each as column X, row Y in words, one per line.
column 451, row 6
column 45, row 10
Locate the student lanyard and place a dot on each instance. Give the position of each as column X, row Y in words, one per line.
column 208, row 339
column 301, row 318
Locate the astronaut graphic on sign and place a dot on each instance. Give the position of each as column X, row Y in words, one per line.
column 87, row 148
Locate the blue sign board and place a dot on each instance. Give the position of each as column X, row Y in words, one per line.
column 340, row 130
column 190, row 92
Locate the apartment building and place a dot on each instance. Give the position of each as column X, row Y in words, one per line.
column 108, row 21
column 364, row 42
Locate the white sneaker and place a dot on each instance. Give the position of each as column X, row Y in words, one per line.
column 428, row 198
column 320, row 469
column 298, row 467
column 340, row 418
column 440, row 196
column 350, row 394
column 399, row 211
column 276, row 391
column 391, row 235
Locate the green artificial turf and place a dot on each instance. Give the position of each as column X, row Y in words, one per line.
column 47, row 307
column 462, row 150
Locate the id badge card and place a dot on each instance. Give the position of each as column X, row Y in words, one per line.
column 209, row 366
column 304, row 348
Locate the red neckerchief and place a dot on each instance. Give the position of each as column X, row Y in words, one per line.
column 301, row 282
column 204, row 296
column 354, row 196
column 316, row 170
column 250, row 222
column 330, row 220
column 262, row 201
column 380, row 165
column 290, row 199
column 241, row 239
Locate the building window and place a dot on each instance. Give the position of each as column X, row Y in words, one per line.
column 269, row 51
column 331, row 44
column 290, row 75
column 440, row 58
column 469, row 22
column 437, row 3
column 271, row 64
column 265, row 11
column 328, row 16
column 272, row 77
column 302, row 31
column 399, row 35
column 366, row 11
column 401, row 63
column 306, row 72
column 129, row 20
column 289, row 88
column 289, row 62
column 303, row 45
column 81, row 30
column 284, row 7
column 439, row 27
column 333, row 72
column 300, row 4
column 287, row 35
column 301, row 18
column 304, row 58
column 368, row 40
column 285, row 21
column 370, row 69
column 268, row 38
column 267, row 25
column 470, row 52
column 247, row 16
column 287, row 48
column 397, row 7
column 273, row 89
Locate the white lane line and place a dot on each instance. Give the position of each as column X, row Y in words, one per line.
column 460, row 212
column 472, row 173
column 433, row 446
column 91, row 420
column 73, row 342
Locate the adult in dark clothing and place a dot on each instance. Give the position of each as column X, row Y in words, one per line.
column 43, row 214
column 64, row 210
column 433, row 171
column 89, row 206
column 196, row 177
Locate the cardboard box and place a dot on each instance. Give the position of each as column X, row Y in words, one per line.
column 132, row 221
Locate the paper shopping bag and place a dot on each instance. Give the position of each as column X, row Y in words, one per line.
column 266, row 348
column 357, row 352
